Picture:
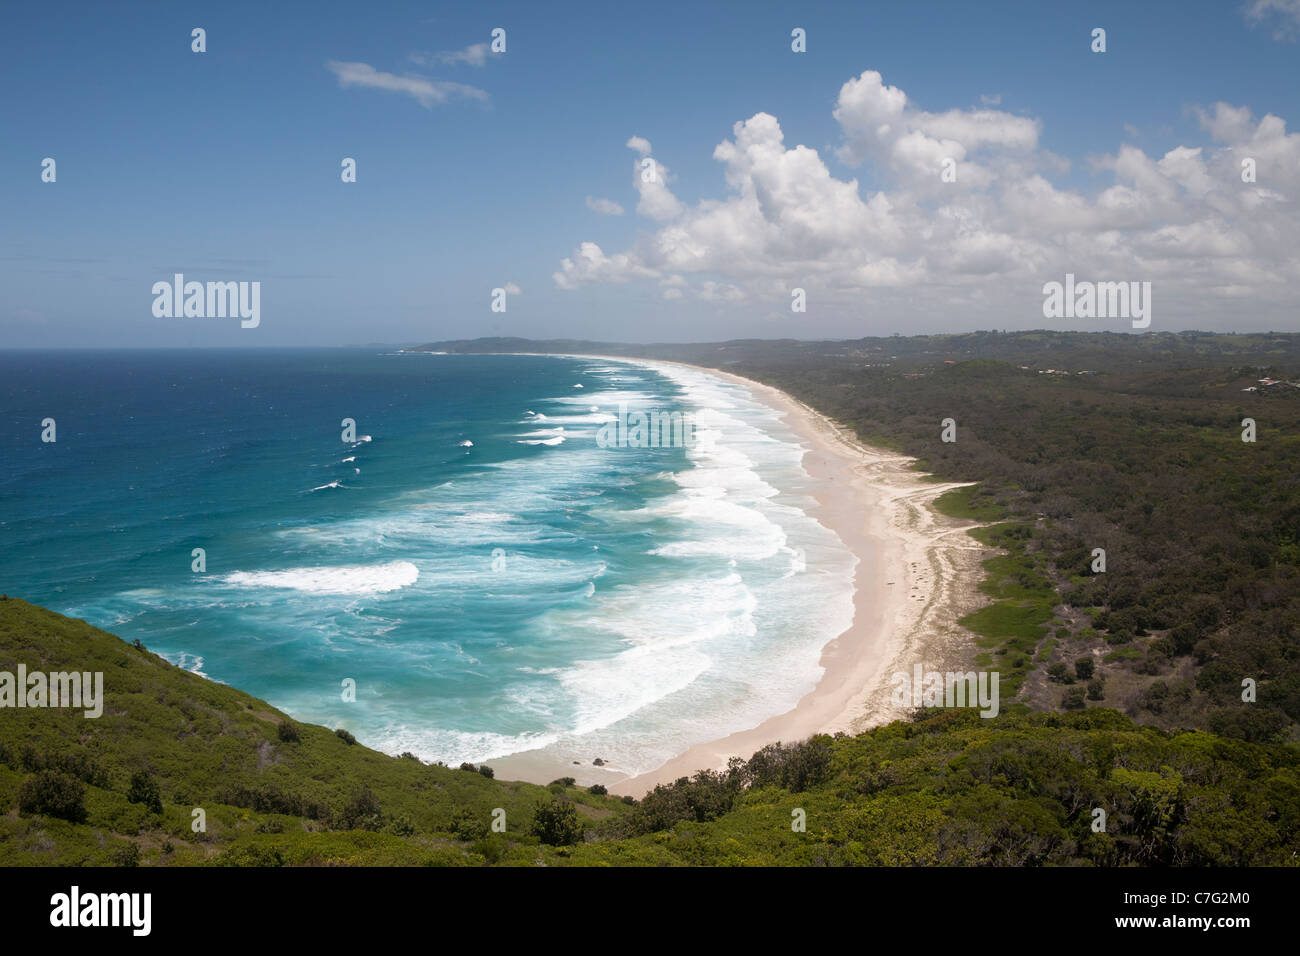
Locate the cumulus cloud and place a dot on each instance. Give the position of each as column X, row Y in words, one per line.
column 590, row 264
column 880, row 125
column 512, row 289
column 606, row 207
column 1185, row 220
column 424, row 91
column 657, row 200
column 651, row 178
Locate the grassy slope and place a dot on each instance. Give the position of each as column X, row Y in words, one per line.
column 202, row 740
column 948, row 789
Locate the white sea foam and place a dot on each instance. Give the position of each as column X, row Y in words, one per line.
column 347, row 579
column 557, row 440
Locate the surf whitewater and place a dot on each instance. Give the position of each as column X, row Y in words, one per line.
column 491, row 576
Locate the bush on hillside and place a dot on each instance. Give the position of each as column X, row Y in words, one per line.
column 53, row 794
column 144, row 789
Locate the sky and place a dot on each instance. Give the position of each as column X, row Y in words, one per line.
column 523, row 169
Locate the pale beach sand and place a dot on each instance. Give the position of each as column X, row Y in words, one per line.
column 917, row 574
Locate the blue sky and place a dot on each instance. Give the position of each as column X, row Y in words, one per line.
column 225, row 166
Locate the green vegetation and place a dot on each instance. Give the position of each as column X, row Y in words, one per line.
column 946, row 788
column 170, row 742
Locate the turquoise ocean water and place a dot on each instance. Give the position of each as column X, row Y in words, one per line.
column 490, row 577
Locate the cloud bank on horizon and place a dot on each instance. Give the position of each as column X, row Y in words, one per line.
column 988, row 234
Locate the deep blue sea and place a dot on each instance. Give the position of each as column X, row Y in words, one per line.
column 490, row 577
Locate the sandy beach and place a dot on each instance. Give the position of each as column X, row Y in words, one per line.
column 916, row 575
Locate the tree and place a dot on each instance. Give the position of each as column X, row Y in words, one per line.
column 1084, row 668
column 144, row 789
column 53, row 794
column 362, row 812
column 287, row 732
column 556, row 823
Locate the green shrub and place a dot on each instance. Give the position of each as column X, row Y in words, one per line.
column 486, row 771
column 556, row 823
column 287, row 732
column 128, row 854
column 1073, row 699
column 344, row 736
column 248, row 854
column 1084, row 667
column 1096, row 689
column 599, row 789
column 360, row 813
column 795, row 767
column 144, row 789
column 468, row 825
column 401, row 826
column 53, row 794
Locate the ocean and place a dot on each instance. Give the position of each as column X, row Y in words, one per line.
column 490, row 577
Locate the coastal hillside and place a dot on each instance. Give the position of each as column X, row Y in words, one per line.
column 124, row 786
column 948, row 788
column 1085, row 442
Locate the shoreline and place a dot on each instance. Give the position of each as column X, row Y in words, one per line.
column 916, row 575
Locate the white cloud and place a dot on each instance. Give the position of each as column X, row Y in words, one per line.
column 476, row 54
column 590, row 264
column 606, row 207
column 880, row 125
column 711, row 291
column 651, row 178
column 426, row 92
column 512, row 289
column 1184, row 220
column 1284, row 14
